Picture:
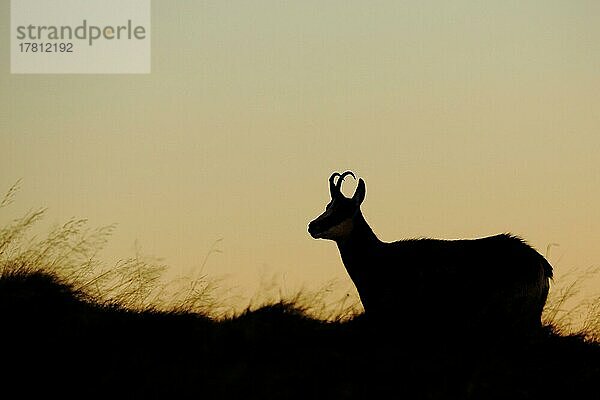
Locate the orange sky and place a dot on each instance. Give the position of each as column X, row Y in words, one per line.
column 464, row 118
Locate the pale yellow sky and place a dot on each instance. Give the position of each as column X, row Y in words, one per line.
column 465, row 118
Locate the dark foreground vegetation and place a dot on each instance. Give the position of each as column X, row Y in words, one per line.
column 55, row 341
column 71, row 327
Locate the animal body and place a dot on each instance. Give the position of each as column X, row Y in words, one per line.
column 496, row 281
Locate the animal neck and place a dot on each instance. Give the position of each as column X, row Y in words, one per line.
column 361, row 232
column 357, row 247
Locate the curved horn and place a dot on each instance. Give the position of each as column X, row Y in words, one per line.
column 334, row 189
column 342, row 176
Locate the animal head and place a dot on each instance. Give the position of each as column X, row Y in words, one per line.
column 337, row 222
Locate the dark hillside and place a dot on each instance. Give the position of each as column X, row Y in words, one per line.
column 55, row 341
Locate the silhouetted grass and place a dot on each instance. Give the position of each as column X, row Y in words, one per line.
column 71, row 327
column 568, row 311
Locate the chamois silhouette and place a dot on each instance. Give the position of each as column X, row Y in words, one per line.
column 497, row 282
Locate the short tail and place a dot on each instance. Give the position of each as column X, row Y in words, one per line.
column 548, row 272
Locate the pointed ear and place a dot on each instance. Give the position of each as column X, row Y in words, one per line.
column 359, row 194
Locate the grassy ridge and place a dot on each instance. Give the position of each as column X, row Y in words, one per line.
column 73, row 328
column 54, row 340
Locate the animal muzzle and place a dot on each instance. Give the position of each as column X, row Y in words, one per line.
column 314, row 230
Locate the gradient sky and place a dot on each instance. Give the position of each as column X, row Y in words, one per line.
column 465, row 119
